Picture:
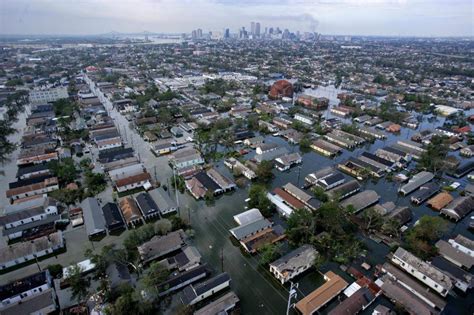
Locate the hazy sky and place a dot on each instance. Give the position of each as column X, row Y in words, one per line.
column 358, row 17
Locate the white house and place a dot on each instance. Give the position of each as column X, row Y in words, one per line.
column 423, row 271
column 293, row 263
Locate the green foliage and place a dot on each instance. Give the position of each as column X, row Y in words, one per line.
column 55, row 270
column 79, row 285
column 264, row 171
column 64, row 107
column 67, row 196
column 14, row 82
column 218, row 86
column 139, row 236
column 163, row 226
column 433, row 159
column 320, row 194
column 259, row 200
column 305, row 143
column 65, row 170
column 95, row 183
column 155, row 275
column 420, row 239
column 328, row 229
column 269, row 253
column 373, row 220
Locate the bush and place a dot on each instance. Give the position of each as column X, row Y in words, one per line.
column 55, row 270
column 163, row 226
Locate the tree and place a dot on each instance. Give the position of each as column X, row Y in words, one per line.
column 65, row 170
column 269, row 253
column 433, row 159
column 259, row 200
column 55, row 270
column 301, row 226
column 373, row 220
column 6, row 147
column 264, row 171
column 420, row 239
column 78, row 284
column 155, row 275
column 163, row 226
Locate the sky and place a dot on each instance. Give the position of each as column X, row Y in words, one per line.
column 336, row 17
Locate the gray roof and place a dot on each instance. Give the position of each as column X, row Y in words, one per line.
column 270, row 155
column 248, row 216
column 219, row 306
column 32, row 304
column 162, row 200
column 243, row 231
column 93, row 218
column 159, row 246
column 419, row 179
column 454, row 255
column 361, row 200
column 296, row 259
column 297, row 193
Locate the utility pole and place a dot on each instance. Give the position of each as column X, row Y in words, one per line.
column 292, row 294
column 222, row 259
column 299, row 173
column 176, row 190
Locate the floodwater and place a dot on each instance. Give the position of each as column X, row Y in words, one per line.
column 258, row 291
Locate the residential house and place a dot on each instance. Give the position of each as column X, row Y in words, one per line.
column 23, row 252
column 344, row 190
column 423, row 271
column 325, row 148
column 33, row 294
column 454, row 255
column 464, row 244
column 293, row 263
column 112, row 216
column 440, row 201
column 130, row 212
column 147, row 206
column 222, row 305
column 27, row 215
column 40, row 188
column 416, row 182
column 304, row 119
column 93, row 218
column 185, row 158
column 132, row 182
column 361, row 200
column 159, row 246
column 331, row 181
column 459, row 208
column 193, row 294
column 315, row 300
column 462, row 279
column 285, row 162
column 426, row 191
column 164, row 202
column 416, row 288
column 180, row 280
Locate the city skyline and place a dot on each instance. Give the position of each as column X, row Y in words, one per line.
column 340, row 17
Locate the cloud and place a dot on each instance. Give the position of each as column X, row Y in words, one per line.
column 389, row 17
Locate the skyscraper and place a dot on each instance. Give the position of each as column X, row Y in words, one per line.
column 199, row 33
column 257, row 29
column 252, row 28
column 227, row 33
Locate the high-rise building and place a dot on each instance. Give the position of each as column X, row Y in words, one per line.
column 270, row 31
column 194, row 34
column 257, row 29
column 199, row 33
column 252, row 28
column 227, row 33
